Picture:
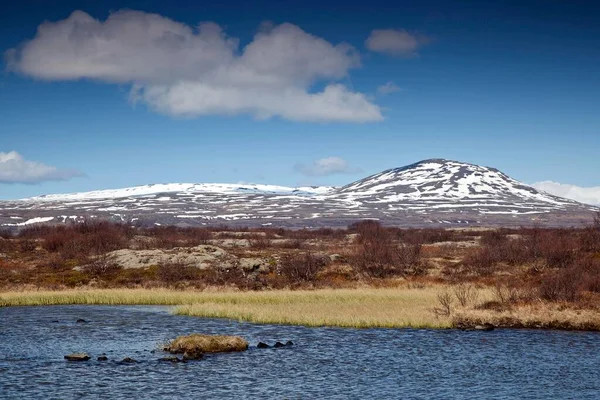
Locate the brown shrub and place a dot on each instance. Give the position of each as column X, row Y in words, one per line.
column 560, row 286
column 102, row 267
column 446, row 304
column 168, row 237
column 295, row 244
column 480, row 261
column 260, row 243
column 176, row 272
column 466, row 294
column 425, row 236
column 82, row 240
column 302, row 267
column 377, row 256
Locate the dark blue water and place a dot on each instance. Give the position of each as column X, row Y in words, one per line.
column 323, row 363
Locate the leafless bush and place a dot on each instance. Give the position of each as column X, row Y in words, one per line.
column 168, row 237
column 176, row 272
column 377, row 255
column 466, row 294
column 560, row 286
column 446, row 302
column 507, row 293
column 302, row 267
column 480, row 261
column 296, row 244
column 102, row 266
column 260, row 243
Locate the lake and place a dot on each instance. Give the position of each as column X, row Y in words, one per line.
column 334, row 363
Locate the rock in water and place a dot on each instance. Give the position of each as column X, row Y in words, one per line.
column 262, row 345
column 77, row 357
column 199, row 344
column 193, row 355
column 278, row 344
column 81, row 321
column 485, row 327
column 289, row 343
column 171, row 359
column 128, row 360
column 102, row 357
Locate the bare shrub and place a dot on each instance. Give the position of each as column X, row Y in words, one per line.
column 102, row 266
column 446, row 302
column 479, row 261
column 168, row 237
column 302, row 267
column 296, row 244
column 466, row 294
column 560, row 286
column 176, row 272
column 507, row 293
column 27, row 245
column 83, row 240
column 377, row 255
column 260, row 243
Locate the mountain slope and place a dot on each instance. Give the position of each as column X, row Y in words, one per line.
column 426, row 193
column 445, row 184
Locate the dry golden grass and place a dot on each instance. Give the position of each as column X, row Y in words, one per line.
column 97, row 297
column 193, row 344
column 356, row 308
column 399, row 307
column 536, row 316
column 390, row 307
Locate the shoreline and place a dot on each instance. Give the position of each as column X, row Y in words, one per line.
column 400, row 307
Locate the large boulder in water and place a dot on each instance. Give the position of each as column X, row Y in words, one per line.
column 193, row 346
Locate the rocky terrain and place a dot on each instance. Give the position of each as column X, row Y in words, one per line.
column 429, row 193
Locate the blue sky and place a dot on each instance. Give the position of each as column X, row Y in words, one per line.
column 513, row 85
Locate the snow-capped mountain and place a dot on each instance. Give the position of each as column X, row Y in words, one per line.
column 426, row 193
column 444, row 184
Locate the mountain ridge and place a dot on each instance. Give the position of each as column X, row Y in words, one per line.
column 426, row 193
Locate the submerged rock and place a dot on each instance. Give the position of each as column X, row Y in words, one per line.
column 128, row 360
column 172, row 359
column 289, row 343
column 193, row 355
column 102, row 357
column 81, row 321
column 485, row 327
column 262, row 345
column 77, row 357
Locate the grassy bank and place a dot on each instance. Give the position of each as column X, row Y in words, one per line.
column 401, row 307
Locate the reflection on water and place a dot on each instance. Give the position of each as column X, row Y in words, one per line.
column 323, row 363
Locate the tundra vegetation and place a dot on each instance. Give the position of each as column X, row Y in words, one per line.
column 366, row 275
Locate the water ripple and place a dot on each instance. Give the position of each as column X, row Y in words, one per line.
column 324, row 362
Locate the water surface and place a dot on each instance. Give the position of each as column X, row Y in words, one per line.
column 324, row 362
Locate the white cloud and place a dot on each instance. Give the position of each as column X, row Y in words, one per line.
column 193, row 71
column 387, row 88
column 326, row 166
column 397, row 42
column 15, row 169
column 587, row 195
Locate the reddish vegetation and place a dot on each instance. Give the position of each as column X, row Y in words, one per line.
column 523, row 265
